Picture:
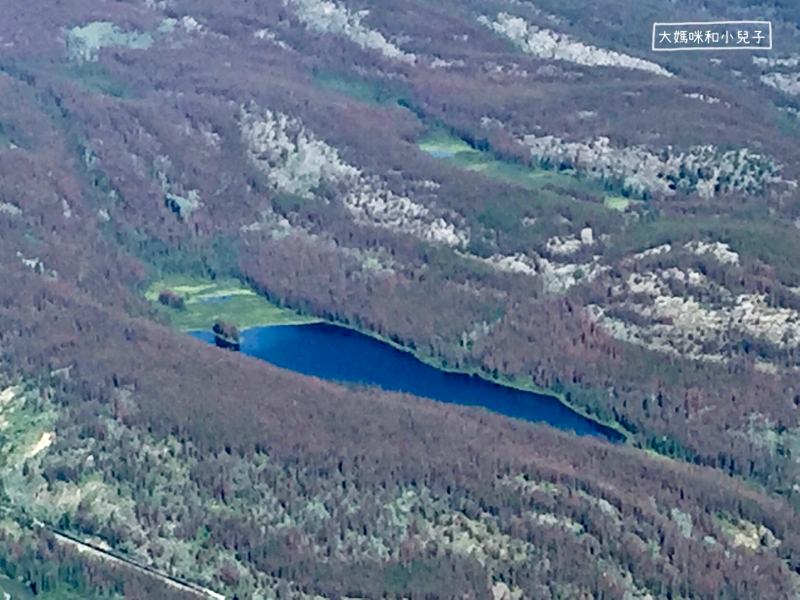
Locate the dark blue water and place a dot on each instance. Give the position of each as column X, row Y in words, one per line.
column 340, row 354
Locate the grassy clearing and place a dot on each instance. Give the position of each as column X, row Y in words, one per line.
column 460, row 154
column 518, row 174
column 441, row 142
column 228, row 299
column 616, row 202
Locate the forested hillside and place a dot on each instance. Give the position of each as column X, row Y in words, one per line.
column 522, row 191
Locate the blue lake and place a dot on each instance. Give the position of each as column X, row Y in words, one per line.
column 339, row 354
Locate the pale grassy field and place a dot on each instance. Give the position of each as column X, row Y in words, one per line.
column 440, row 142
column 243, row 306
column 616, row 202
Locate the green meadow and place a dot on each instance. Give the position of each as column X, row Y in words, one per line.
column 616, row 202
column 464, row 156
column 442, row 142
column 228, row 299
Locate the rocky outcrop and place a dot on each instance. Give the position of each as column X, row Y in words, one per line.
column 682, row 312
column 295, row 161
column 333, row 17
column 702, row 169
column 544, row 43
column 788, row 83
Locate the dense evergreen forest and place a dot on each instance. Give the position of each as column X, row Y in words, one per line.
column 516, row 190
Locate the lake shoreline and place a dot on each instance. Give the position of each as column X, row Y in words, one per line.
column 434, row 363
column 232, row 300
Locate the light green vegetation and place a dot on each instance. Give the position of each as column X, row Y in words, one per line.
column 441, row 142
column 84, row 42
column 62, row 591
column 205, row 302
column 19, row 590
column 363, row 90
column 24, row 426
column 26, row 432
column 616, row 202
column 469, row 158
column 358, row 90
column 513, row 173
